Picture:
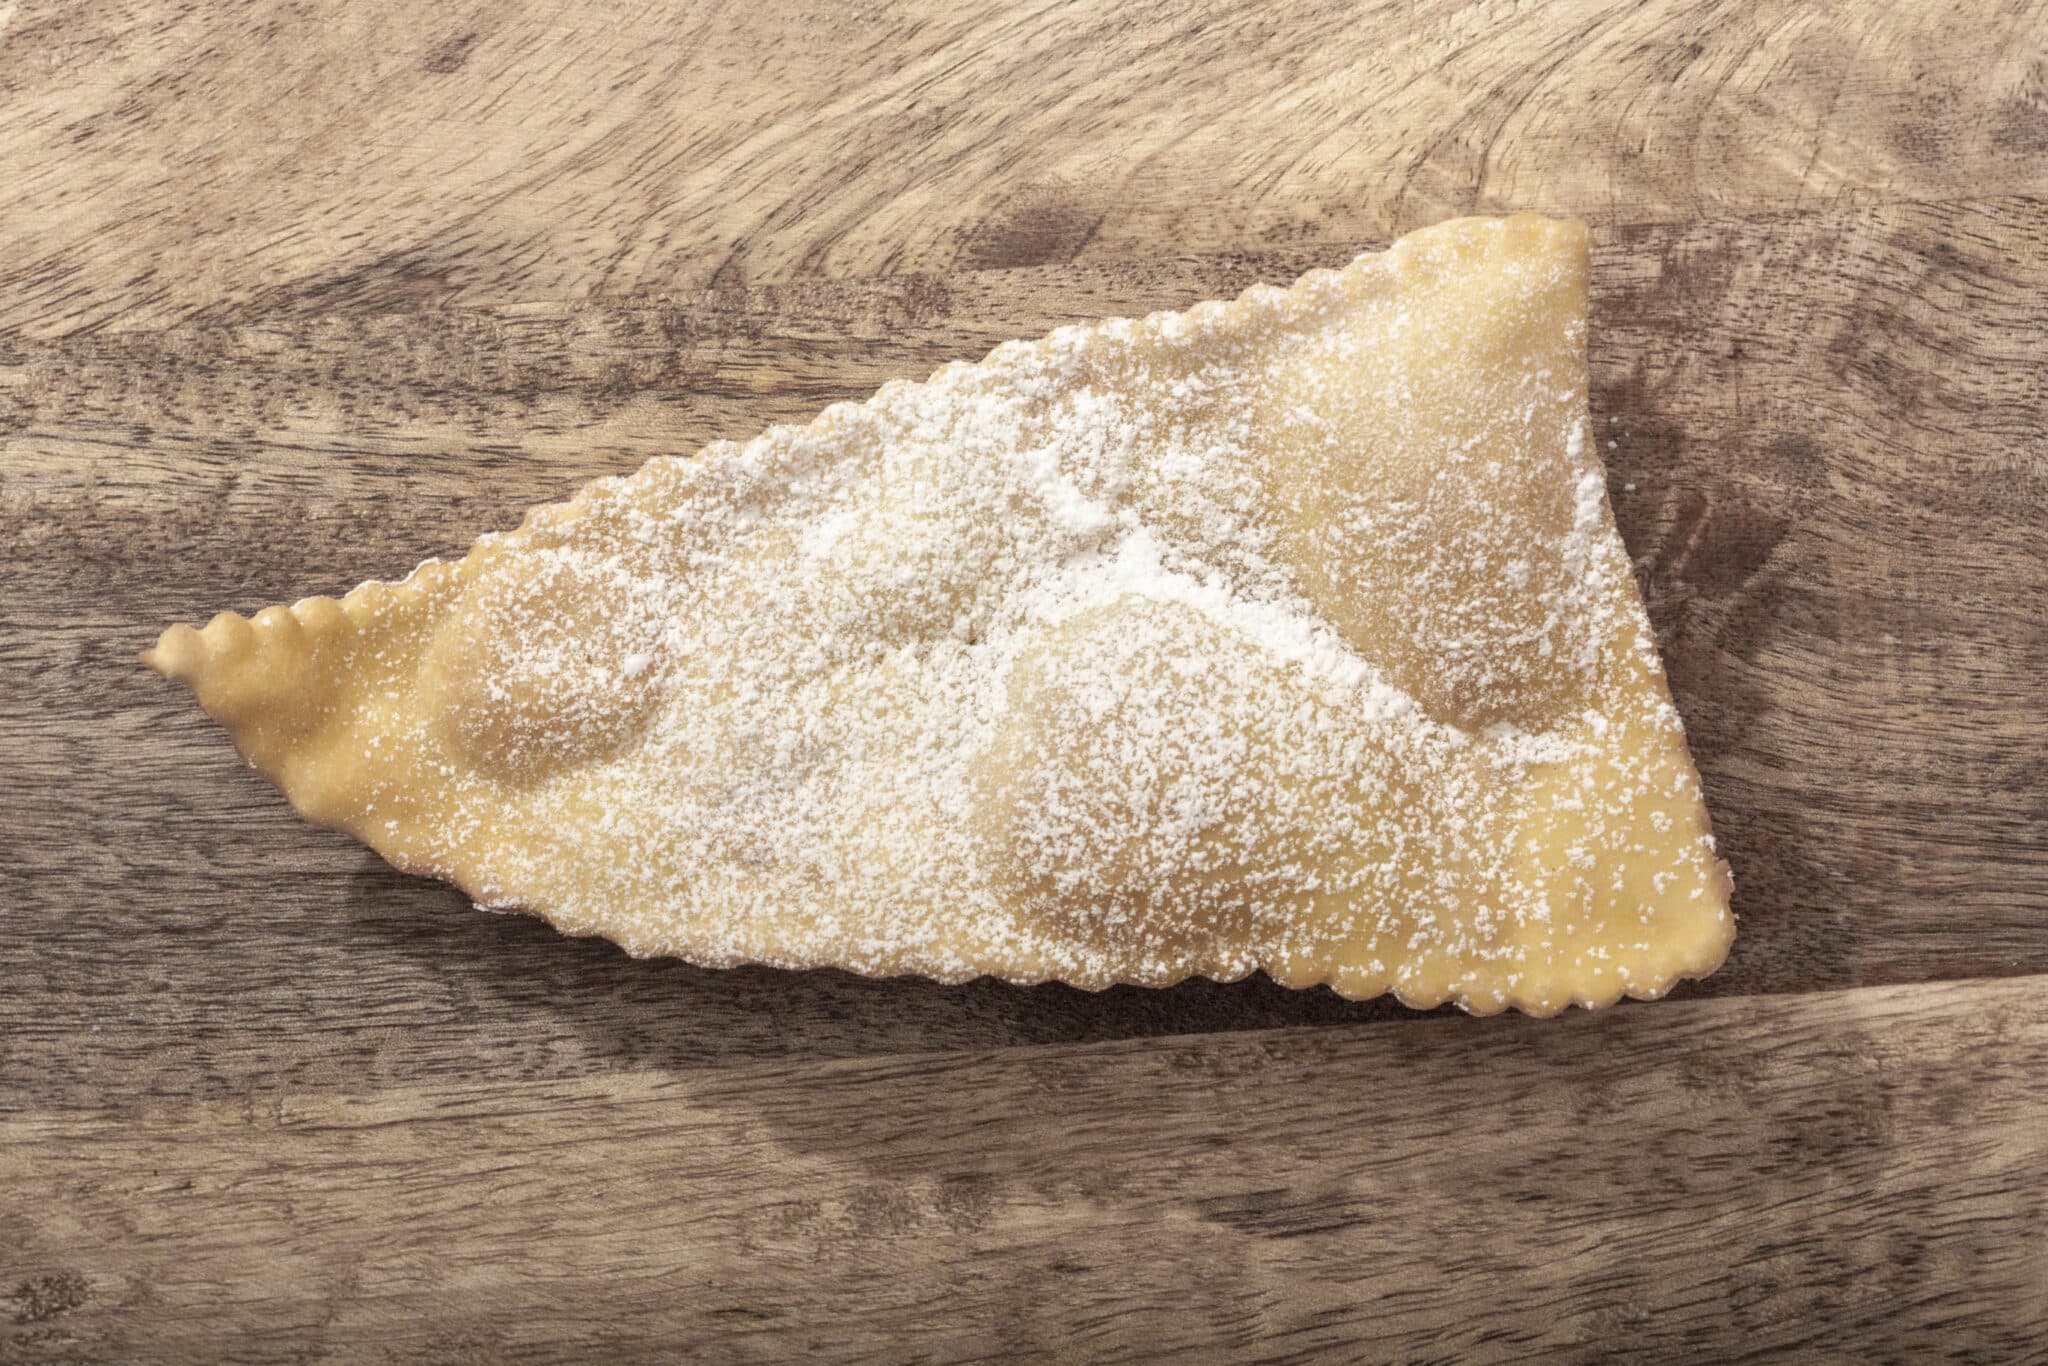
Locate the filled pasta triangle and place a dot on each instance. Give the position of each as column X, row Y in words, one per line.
column 1287, row 633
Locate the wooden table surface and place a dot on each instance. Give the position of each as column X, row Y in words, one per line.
column 293, row 295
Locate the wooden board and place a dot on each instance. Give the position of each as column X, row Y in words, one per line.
column 1841, row 1173
column 295, row 296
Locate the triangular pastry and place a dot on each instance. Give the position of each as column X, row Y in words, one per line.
column 1289, row 633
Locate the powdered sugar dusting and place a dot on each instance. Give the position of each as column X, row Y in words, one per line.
column 1275, row 634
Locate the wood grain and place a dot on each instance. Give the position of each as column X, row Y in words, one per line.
column 1829, row 457
column 171, row 160
column 294, row 293
column 1823, row 1175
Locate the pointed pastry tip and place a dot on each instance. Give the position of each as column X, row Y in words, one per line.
column 184, row 654
column 177, row 655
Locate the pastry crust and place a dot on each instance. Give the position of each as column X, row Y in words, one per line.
column 1289, row 633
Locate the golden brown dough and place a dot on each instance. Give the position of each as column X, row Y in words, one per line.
column 1292, row 632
